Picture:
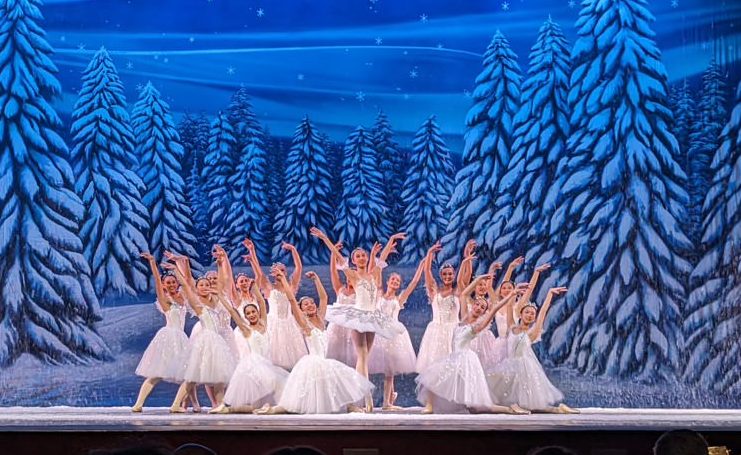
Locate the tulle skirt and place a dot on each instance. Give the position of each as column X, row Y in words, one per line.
column 255, row 382
column 286, row 342
column 210, row 360
column 522, row 381
column 165, row 355
column 364, row 321
column 340, row 346
column 490, row 349
column 392, row 357
column 437, row 344
column 243, row 347
column 458, row 379
column 322, row 386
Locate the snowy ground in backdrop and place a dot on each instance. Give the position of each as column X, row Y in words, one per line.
column 128, row 329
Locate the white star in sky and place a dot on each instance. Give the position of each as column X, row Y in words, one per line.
column 423, row 18
column 166, row 60
column 139, row 87
column 129, row 65
column 406, row 96
column 413, row 74
column 81, row 46
column 675, row 3
column 192, row 39
column 300, row 76
column 62, row 38
column 467, row 93
column 260, row 12
column 379, row 40
column 572, row 4
column 439, row 45
column 505, row 6
column 360, row 96
column 230, row 70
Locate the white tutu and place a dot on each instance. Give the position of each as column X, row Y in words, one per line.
column 318, row 385
column 438, row 337
column 285, row 339
column 255, row 382
column 364, row 321
column 165, row 355
column 210, row 359
column 459, row 378
column 520, row 379
column 490, row 349
column 392, row 356
column 339, row 339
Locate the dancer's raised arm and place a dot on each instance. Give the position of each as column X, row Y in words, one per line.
column 189, row 289
column 351, row 274
column 537, row 330
column 183, row 263
column 262, row 281
column 321, row 292
column 334, row 274
column 390, row 246
column 533, row 282
column 404, row 296
column 159, row 290
column 511, row 268
column 298, row 315
column 483, row 322
column 465, row 271
column 430, row 282
column 465, row 295
column 298, row 267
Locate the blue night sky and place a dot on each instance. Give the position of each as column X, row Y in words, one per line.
column 339, row 61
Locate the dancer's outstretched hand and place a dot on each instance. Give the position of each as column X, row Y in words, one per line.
column 470, row 247
column 312, row 276
column 517, row 262
column 558, row 291
column 146, row 255
column 543, row 267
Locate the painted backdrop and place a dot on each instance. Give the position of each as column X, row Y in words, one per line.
column 602, row 137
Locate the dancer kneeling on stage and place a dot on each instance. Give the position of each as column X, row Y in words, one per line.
column 458, row 381
column 519, row 379
column 316, row 385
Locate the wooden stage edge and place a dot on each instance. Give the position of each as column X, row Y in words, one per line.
column 121, row 419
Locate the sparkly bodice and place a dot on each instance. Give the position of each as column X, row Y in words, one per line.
column 519, row 345
column 462, row 337
column 223, row 319
column 366, row 295
column 445, row 309
column 344, row 299
column 258, row 343
column 317, row 342
column 501, row 320
column 243, row 303
column 390, row 307
column 279, row 304
column 175, row 316
column 209, row 319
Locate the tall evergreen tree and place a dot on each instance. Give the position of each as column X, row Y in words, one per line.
column 334, row 152
column 159, row 155
column 277, row 154
column 684, row 109
column 308, row 192
column 620, row 244
column 218, row 166
column 361, row 216
column 541, row 132
column 426, row 192
column 195, row 144
column 48, row 307
column 704, row 142
column 713, row 322
column 488, row 141
column 193, row 133
column 392, row 166
column 115, row 223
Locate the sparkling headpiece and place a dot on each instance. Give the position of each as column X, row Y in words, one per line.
column 447, row 265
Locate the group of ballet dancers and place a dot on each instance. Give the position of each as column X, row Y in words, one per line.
column 282, row 357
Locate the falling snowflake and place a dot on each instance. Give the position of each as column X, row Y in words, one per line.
column 62, row 38
column 192, row 39
column 81, row 46
column 505, row 6
column 166, row 60
column 406, row 96
column 129, row 65
column 675, row 3
column 139, row 87
column 423, row 18
column 156, row 56
column 360, row 96
column 379, row 41
column 439, row 45
column 467, row 93
column 300, row 77
column 413, row 74
column 230, row 70
column 572, row 4
column 260, row 12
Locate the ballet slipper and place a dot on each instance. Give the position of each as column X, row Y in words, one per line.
column 220, row 409
column 197, row 410
column 393, row 398
column 354, row 409
column 270, row 411
column 178, row 410
column 392, row 407
column 369, row 405
column 563, row 409
column 427, row 409
column 517, row 410
column 136, row 409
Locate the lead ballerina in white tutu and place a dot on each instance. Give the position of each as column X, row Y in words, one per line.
column 339, row 339
column 457, row 382
column 364, row 317
column 317, row 385
column 163, row 358
column 394, row 356
column 285, row 339
column 519, row 380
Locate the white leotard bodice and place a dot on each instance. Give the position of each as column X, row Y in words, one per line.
column 390, row 307
column 175, row 316
column 366, row 295
column 259, row 344
column 279, row 307
column 445, row 309
column 317, row 342
column 209, row 319
column 462, row 337
column 344, row 299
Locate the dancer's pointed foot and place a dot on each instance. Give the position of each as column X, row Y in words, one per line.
column 563, row 409
column 518, row 410
column 136, row 408
column 220, row 409
column 394, row 396
column 369, row 405
column 427, row 409
column 392, row 407
column 197, row 409
column 270, row 410
column 177, row 410
column 353, row 409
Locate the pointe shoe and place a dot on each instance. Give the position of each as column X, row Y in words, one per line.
column 197, row 410
column 177, row 410
column 427, row 409
column 394, row 396
column 516, row 410
column 136, row 409
column 353, row 409
column 563, row 409
column 220, row 409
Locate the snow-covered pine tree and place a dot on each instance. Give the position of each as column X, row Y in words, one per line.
column 426, row 192
column 488, row 141
column 392, row 166
column 196, row 145
column 249, row 214
column 541, row 132
column 159, row 155
column 277, row 153
column 48, row 306
column 115, row 224
column 617, row 225
column 187, row 132
column 704, row 142
column 307, row 199
column 684, row 109
column 713, row 314
column 361, row 216
column 333, row 152
column 218, row 166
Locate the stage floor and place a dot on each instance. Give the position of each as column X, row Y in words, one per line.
column 25, row 419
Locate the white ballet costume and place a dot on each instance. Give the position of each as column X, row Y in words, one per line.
column 491, row 349
column 210, row 359
column 339, row 340
column 458, row 379
column 396, row 355
column 520, row 379
column 167, row 351
column 438, row 337
column 243, row 347
column 318, row 385
column 284, row 335
column 364, row 316
column 256, row 381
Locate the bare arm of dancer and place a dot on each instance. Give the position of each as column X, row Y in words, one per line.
column 351, row 274
column 484, row 322
column 533, row 282
column 182, row 263
column 219, row 295
column 334, row 274
column 373, row 268
column 511, row 268
column 262, row 280
column 321, row 292
column 465, row 272
column 159, row 290
column 412, row 284
column 298, row 315
column 298, row 266
column 225, row 273
column 190, row 293
column 537, row 330
column 257, row 295
column 430, row 282
column 465, row 295
column 391, row 245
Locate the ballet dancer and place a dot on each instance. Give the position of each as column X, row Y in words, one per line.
column 520, row 379
column 363, row 317
column 458, row 382
column 394, row 356
column 339, row 339
column 316, row 385
column 284, row 336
